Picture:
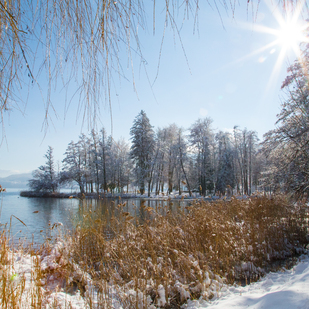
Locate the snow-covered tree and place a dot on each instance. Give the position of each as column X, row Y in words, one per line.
column 159, row 162
column 287, row 146
column 182, row 160
column 225, row 177
column 170, row 152
column 245, row 144
column 45, row 179
column 165, row 158
column 202, row 139
column 73, row 166
column 142, row 137
column 168, row 160
column 123, row 164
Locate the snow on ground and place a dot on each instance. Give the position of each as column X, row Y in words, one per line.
column 284, row 289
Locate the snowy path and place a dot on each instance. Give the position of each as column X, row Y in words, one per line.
column 284, row 290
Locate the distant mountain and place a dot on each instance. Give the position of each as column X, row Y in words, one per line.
column 16, row 181
column 6, row 173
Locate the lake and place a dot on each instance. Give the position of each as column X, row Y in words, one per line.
column 39, row 214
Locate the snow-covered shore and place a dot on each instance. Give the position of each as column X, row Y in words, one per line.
column 172, row 196
column 284, row 289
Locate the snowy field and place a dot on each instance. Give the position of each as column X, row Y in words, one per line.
column 283, row 289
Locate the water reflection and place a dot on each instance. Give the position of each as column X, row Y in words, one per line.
column 140, row 209
column 40, row 214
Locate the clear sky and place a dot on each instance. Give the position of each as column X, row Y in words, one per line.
column 229, row 71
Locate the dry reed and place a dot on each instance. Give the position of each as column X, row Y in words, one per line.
column 187, row 254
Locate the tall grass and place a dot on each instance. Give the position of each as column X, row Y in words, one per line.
column 19, row 288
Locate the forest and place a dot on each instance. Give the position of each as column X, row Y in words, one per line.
column 158, row 161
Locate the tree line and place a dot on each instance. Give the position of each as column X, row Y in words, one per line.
column 158, row 161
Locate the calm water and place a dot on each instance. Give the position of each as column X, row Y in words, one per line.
column 38, row 214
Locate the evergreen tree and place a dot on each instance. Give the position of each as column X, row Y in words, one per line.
column 45, row 178
column 142, row 136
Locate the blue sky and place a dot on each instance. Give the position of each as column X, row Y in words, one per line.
column 220, row 75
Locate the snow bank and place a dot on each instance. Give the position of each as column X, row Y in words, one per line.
column 285, row 289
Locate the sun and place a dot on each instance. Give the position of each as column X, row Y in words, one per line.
column 291, row 31
column 290, row 35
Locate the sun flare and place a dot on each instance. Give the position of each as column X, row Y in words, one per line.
column 290, row 31
column 291, row 34
column 288, row 35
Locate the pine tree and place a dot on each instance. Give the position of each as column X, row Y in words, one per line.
column 142, row 136
column 45, row 178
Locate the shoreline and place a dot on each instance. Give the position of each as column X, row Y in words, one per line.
column 153, row 197
column 33, row 194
